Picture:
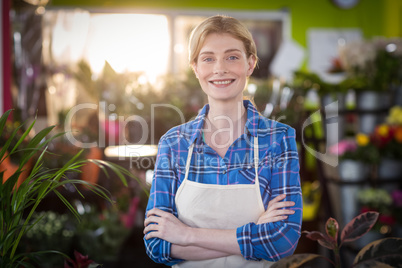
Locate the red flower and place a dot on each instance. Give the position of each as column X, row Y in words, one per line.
column 386, row 219
column 366, row 209
column 81, row 261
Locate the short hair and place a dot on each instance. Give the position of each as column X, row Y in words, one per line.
column 220, row 24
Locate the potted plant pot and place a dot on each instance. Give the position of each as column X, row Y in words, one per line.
column 391, row 170
column 371, row 101
column 351, row 171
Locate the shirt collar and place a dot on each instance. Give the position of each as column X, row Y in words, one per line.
column 251, row 126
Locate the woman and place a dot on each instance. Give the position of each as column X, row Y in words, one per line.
column 226, row 190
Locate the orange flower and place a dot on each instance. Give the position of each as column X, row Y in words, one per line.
column 362, row 139
column 398, row 134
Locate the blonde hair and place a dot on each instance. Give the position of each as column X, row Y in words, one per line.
column 220, row 24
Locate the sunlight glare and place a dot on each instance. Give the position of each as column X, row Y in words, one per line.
column 129, row 42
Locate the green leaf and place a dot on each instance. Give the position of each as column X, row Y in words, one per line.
column 332, row 228
column 296, row 260
column 359, row 226
column 381, row 253
column 3, row 120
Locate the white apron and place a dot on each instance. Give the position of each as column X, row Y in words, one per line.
column 220, row 207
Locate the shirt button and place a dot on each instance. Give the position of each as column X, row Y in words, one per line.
column 224, row 172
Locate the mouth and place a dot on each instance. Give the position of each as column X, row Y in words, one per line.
column 222, row 82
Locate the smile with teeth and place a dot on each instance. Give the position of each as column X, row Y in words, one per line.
column 222, row 82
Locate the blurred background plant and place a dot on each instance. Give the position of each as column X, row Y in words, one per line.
column 359, row 148
column 373, row 64
column 19, row 201
column 380, row 200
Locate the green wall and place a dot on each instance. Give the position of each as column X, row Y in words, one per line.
column 368, row 15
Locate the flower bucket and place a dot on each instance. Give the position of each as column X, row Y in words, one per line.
column 369, row 121
column 397, row 98
column 390, row 169
column 351, row 171
column 372, row 100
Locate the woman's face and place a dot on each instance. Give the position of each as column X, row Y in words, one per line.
column 222, row 67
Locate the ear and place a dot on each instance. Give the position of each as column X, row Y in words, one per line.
column 251, row 65
column 194, row 67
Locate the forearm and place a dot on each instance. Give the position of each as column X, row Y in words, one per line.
column 214, row 239
column 194, row 253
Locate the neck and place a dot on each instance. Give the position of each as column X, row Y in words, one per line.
column 227, row 115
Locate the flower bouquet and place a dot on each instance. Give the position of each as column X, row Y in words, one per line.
column 355, row 155
column 387, row 138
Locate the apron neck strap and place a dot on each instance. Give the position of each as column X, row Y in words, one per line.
column 190, row 153
column 256, row 159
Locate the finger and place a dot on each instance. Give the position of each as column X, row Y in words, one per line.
column 283, row 204
column 279, row 205
column 151, row 228
column 282, row 212
column 156, row 212
column 266, row 217
column 277, row 199
column 152, row 219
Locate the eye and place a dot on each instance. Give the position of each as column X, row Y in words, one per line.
column 207, row 59
column 233, row 58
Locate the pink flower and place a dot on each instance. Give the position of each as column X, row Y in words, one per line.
column 80, row 261
column 128, row 218
column 397, row 198
column 342, row 147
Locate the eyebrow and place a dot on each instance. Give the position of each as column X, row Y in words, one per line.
column 226, row 51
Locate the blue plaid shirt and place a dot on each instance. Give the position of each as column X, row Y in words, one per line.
column 278, row 174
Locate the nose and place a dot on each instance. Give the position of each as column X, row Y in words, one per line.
column 220, row 67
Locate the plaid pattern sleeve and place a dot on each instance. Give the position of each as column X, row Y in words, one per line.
column 162, row 196
column 273, row 241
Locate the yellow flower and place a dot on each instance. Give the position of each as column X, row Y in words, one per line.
column 362, row 139
column 395, row 115
column 383, row 130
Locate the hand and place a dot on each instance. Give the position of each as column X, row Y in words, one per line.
column 166, row 226
column 275, row 212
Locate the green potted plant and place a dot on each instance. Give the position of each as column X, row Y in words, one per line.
column 381, row 253
column 371, row 66
column 18, row 204
column 379, row 200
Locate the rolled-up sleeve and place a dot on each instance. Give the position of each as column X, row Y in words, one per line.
column 273, row 241
column 163, row 189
